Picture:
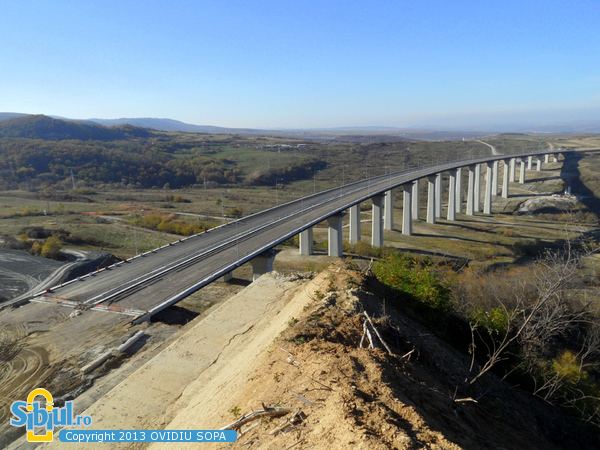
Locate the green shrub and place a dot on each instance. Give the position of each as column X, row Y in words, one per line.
column 495, row 321
column 51, row 247
column 419, row 281
column 568, row 368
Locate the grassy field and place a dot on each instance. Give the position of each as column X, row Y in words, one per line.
column 103, row 219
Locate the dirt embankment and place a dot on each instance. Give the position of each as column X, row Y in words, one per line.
column 214, row 350
column 295, row 344
column 343, row 396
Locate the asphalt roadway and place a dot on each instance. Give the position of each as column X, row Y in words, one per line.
column 146, row 284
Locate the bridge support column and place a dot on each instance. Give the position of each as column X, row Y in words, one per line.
column 495, row 179
column 546, row 158
column 431, row 199
column 407, row 209
column 529, row 162
column 415, row 200
column 555, row 158
column 334, row 236
column 538, row 165
column 477, row 189
column 438, row 195
column 458, row 189
column 377, row 223
column 262, row 264
column 522, row 172
column 227, row 277
column 489, row 178
column 470, row 191
column 511, row 173
column 306, row 242
column 354, row 224
column 452, row 195
column 388, row 211
column 505, row 177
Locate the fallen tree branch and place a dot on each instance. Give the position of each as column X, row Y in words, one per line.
column 377, row 333
column 465, row 400
column 274, row 411
column 407, row 354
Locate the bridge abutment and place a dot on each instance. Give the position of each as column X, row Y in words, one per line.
column 262, row 264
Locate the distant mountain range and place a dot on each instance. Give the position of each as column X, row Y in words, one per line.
column 163, row 125
column 54, row 127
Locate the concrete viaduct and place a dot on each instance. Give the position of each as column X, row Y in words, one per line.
column 152, row 281
column 382, row 202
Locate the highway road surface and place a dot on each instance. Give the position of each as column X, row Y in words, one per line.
column 148, row 283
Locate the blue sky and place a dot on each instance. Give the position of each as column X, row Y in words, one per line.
column 303, row 63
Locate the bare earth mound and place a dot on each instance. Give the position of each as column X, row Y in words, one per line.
column 342, row 396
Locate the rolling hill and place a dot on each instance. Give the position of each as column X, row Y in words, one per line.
column 44, row 127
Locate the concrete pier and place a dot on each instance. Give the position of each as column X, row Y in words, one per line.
column 470, row 191
column 262, row 264
column 438, row 195
column 555, row 158
column 489, row 178
column 505, row 177
column 522, row 172
column 227, row 277
column 452, row 195
column 458, row 202
column 334, row 236
column 406, row 209
column 354, row 235
column 377, row 222
column 388, row 211
column 546, row 158
column 538, row 165
column 415, row 200
column 495, row 179
column 476, row 189
column 511, row 173
column 306, row 242
column 529, row 162
column 431, row 199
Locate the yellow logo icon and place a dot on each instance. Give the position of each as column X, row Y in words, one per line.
column 48, row 436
